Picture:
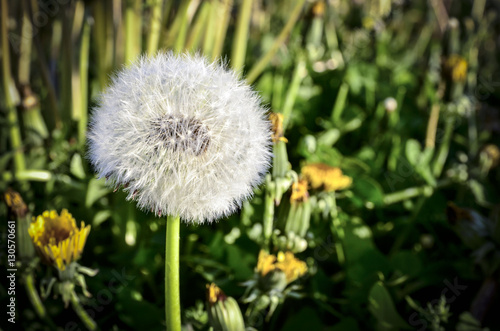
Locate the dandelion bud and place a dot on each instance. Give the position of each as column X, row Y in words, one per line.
column 390, row 104
column 470, row 226
column 182, row 136
column 224, row 313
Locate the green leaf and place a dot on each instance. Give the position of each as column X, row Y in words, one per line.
column 381, row 306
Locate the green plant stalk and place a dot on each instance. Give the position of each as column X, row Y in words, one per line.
column 133, row 30
column 69, row 26
column 208, row 40
column 268, row 218
column 430, row 140
column 193, row 40
column 84, row 64
column 180, row 40
column 102, row 45
column 42, row 62
column 172, row 294
column 444, row 149
column 240, row 40
column 154, row 26
column 29, row 284
column 339, row 105
column 32, row 117
column 173, row 29
column 10, row 94
column 84, row 317
column 413, row 192
column 293, row 89
column 28, row 175
column 25, row 46
column 75, row 65
column 262, row 63
column 222, row 28
column 402, row 237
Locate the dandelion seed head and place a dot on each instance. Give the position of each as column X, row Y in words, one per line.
column 185, row 136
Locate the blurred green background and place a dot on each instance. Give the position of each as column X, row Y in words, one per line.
column 402, row 96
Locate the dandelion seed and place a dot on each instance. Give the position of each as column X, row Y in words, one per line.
column 187, row 137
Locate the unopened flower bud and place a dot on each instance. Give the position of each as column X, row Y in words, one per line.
column 224, row 314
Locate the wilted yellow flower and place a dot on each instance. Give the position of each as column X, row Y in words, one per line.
column 318, row 8
column 320, row 175
column 57, row 239
column 214, row 293
column 299, row 191
column 277, row 127
column 457, row 67
column 292, row 267
column 492, row 153
column 15, row 203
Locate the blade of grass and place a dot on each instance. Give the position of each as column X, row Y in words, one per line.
column 156, row 9
column 241, row 36
column 264, row 60
column 11, row 96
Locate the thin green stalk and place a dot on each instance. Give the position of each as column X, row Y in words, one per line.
column 241, row 36
column 42, row 62
column 262, row 63
column 443, row 149
column 28, row 175
column 430, row 140
column 180, row 39
column 172, row 294
column 84, row 317
column 412, row 192
column 32, row 117
column 222, row 28
column 76, row 95
column 173, row 30
column 29, row 284
column 25, row 46
column 409, row 227
column 298, row 75
column 154, row 26
column 84, row 64
column 69, row 24
column 208, row 39
column 198, row 27
column 339, row 105
column 103, row 41
column 133, row 30
column 268, row 218
column 10, row 94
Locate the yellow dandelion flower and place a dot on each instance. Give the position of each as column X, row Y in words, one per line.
column 57, row 239
column 265, row 263
column 292, row 267
column 299, row 192
column 320, row 175
column 277, row 127
column 457, row 66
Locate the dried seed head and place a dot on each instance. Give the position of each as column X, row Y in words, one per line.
column 184, row 135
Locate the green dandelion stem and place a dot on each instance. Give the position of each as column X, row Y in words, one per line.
column 172, row 295
column 29, row 284
column 86, row 319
